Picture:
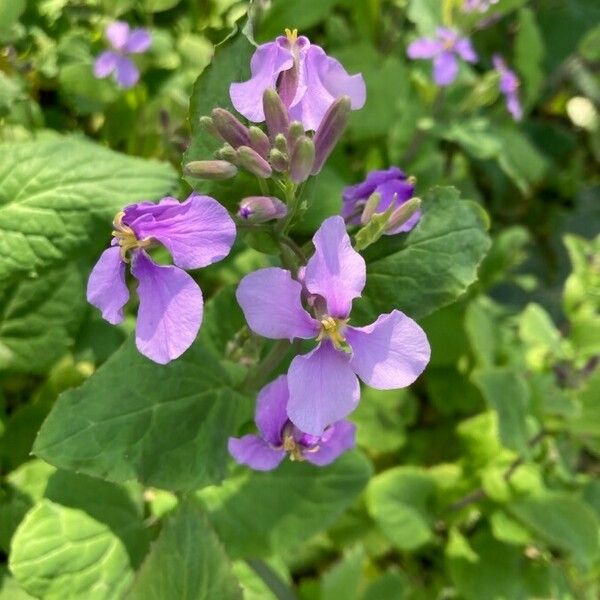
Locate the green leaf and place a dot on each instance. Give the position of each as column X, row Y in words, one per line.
column 529, row 54
column 186, row 562
column 506, row 392
column 159, row 5
column 56, row 194
column 431, row 266
column 398, row 501
column 59, row 552
column 585, row 423
column 540, row 335
column 262, row 513
column 425, row 14
column 343, row 580
column 563, row 520
column 38, row 318
column 166, row 426
column 10, row 589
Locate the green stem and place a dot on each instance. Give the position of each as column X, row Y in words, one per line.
column 268, row 364
column 278, row 586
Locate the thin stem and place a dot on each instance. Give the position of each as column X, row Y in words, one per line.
column 268, row 364
column 264, row 188
column 278, row 586
column 291, row 244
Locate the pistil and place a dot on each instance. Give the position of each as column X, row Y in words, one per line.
column 126, row 237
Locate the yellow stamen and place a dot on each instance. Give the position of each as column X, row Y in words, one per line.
column 332, row 328
column 292, row 35
column 126, row 237
column 294, row 449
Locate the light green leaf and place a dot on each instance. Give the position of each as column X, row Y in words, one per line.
column 398, row 501
column 186, row 562
column 431, row 266
column 425, row 14
column 529, row 54
column 10, row 589
column 159, row 5
column 344, row 579
column 57, row 196
column 540, row 335
column 262, row 513
column 60, row 553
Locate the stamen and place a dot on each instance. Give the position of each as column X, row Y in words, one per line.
column 126, row 237
column 292, row 36
column 332, row 328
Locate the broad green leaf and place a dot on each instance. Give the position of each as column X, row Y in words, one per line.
column 506, row 392
column 186, row 562
column 506, row 529
column 61, row 553
column 344, row 579
column 562, row 520
column 38, row 319
column 398, row 501
column 392, row 585
column 10, row 589
column 258, row 514
column 431, row 266
column 159, row 5
column 540, row 335
column 425, row 14
column 57, row 195
column 166, row 426
column 529, row 54
column 585, row 423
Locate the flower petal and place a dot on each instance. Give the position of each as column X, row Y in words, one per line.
column 424, row 48
column 105, row 64
column 106, row 287
column 170, row 311
column 514, row 106
column 117, row 33
column 390, row 353
column 254, row 452
column 464, row 49
column 361, row 191
column 271, row 413
column 127, row 74
column 403, row 189
column 267, row 62
column 342, row 438
column 335, row 271
column 139, row 40
column 270, row 299
column 197, row 232
column 323, row 388
column 339, row 83
column 445, row 68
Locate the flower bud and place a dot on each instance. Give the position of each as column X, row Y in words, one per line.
column 281, row 144
column 210, row 169
column 302, row 159
column 370, row 208
column 402, row 214
column 259, row 141
column 229, row 128
column 259, row 209
column 252, row 161
column 330, row 130
column 276, row 115
column 208, row 125
column 226, row 152
column 294, row 132
column 278, row 160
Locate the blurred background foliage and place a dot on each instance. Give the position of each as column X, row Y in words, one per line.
column 481, row 481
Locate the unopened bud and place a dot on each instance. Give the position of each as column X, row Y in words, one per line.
column 229, row 128
column 259, row 141
column 330, row 130
column 402, row 214
column 252, row 161
column 281, row 144
column 210, row 169
column 208, row 125
column 370, row 208
column 294, row 132
column 276, row 115
column 302, row 159
column 278, row 160
column 259, row 209
column 227, row 152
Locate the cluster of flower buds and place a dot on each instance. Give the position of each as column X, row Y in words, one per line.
column 286, row 150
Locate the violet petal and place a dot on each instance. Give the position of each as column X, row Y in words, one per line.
column 342, row 439
column 254, row 452
column 271, row 413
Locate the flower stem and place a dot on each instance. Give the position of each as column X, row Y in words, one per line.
column 280, row 588
column 262, row 371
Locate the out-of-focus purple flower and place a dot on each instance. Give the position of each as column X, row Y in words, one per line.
column 444, row 50
column 509, row 86
column 388, row 354
column 307, row 80
column 478, row 5
column 197, row 233
column 391, row 184
column 278, row 436
column 123, row 41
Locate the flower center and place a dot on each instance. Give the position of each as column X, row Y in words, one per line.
column 292, row 447
column 292, row 36
column 332, row 329
column 126, row 237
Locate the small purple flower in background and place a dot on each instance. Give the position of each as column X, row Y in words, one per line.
column 478, row 5
column 279, row 436
column 388, row 354
column 392, row 185
column 197, row 233
column 308, row 81
column 444, row 50
column 509, row 86
column 124, row 41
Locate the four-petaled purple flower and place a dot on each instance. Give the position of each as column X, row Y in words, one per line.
column 279, row 436
column 197, row 233
column 124, row 41
column 390, row 353
column 444, row 50
column 308, row 81
column 509, row 86
column 392, row 185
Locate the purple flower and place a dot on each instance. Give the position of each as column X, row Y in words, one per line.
column 443, row 49
column 509, row 86
column 478, row 5
column 391, row 184
column 197, row 233
column 307, row 80
column 390, row 353
column 124, row 41
column 279, row 436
